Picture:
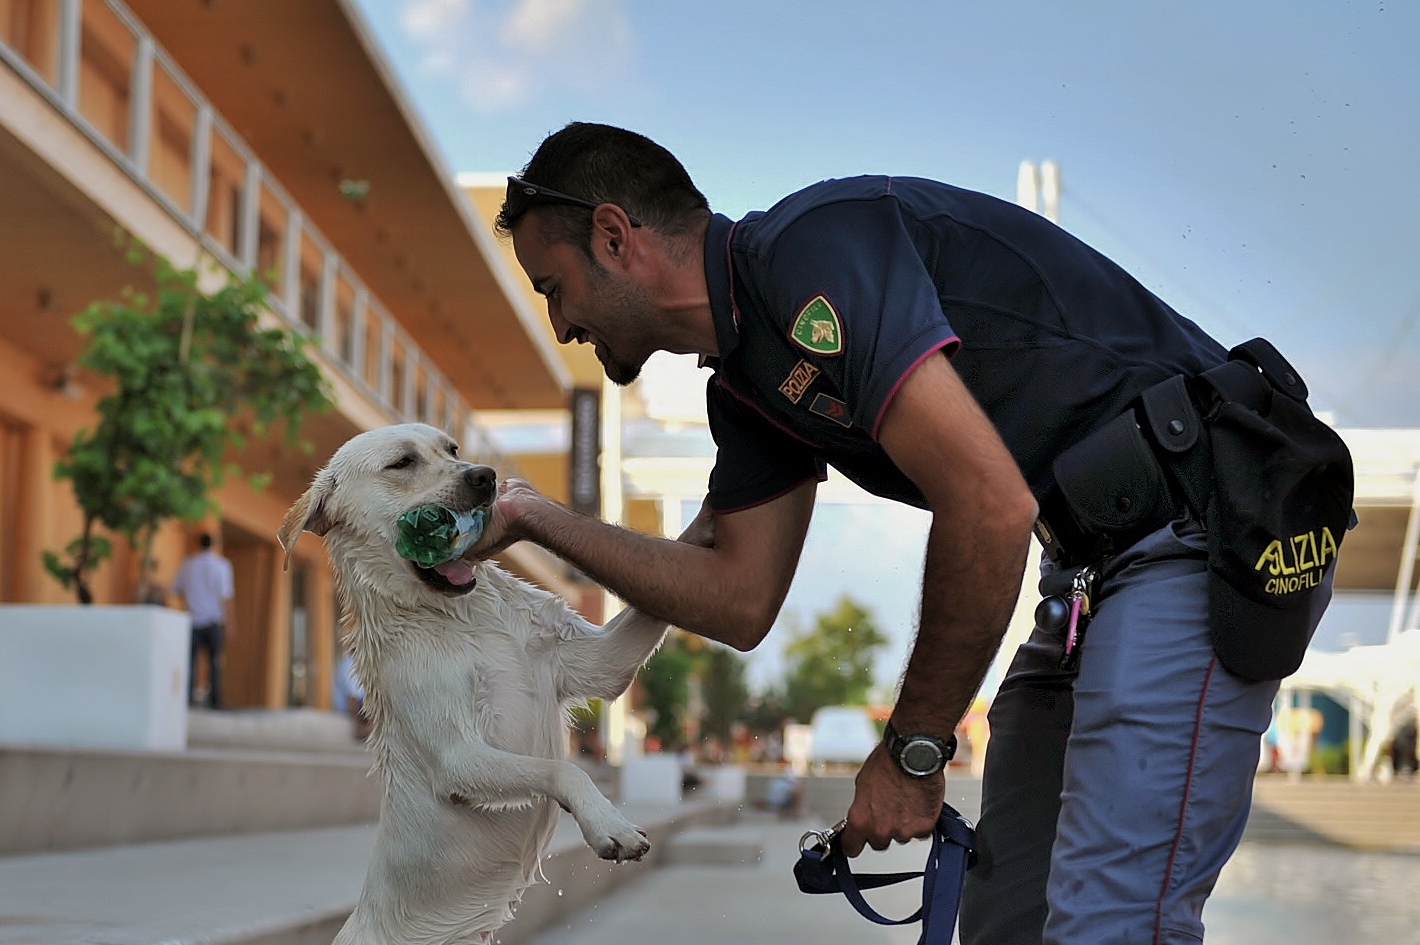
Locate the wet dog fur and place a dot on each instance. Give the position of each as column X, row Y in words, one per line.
column 468, row 685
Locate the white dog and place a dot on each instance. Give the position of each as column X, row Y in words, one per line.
column 468, row 673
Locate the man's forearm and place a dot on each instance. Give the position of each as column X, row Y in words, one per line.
column 970, row 584
column 670, row 580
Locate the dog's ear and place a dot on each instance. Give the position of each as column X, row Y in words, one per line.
column 308, row 514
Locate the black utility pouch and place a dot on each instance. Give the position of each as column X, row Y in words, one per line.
column 1282, row 493
column 1114, row 484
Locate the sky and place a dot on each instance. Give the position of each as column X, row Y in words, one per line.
column 1253, row 162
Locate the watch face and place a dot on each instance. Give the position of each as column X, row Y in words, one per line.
column 921, row 757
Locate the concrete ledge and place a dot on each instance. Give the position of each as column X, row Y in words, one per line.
column 1363, row 816
column 302, row 730
column 66, row 799
column 291, row 888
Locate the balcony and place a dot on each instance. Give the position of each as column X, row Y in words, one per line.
column 98, row 66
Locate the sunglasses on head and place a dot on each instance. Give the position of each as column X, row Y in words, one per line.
column 548, row 195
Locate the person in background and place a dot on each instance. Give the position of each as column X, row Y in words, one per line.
column 205, row 583
column 350, row 697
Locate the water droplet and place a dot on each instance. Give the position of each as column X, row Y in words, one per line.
column 559, row 892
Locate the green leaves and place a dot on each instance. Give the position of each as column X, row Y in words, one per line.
column 665, row 680
column 192, row 372
column 833, row 663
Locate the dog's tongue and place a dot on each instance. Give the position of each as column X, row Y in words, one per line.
column 457, row 572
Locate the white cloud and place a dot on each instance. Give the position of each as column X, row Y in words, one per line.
column 505, row 54
column 496, row 87
column 424, row 19
column 537, row 25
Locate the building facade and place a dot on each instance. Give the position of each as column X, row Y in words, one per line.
column 267, row 137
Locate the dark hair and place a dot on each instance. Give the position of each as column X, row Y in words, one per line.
column 205, row 540
column 602, row 164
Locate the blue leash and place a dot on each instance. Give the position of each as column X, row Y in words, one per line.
column 823, row 868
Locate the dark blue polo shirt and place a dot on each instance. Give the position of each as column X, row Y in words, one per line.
column 825, row 303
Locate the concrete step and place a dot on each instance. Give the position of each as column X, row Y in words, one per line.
column 247, row 771
column 66, row 799
column 287, row 888
column 303, row 730
column 1264, row 826
column 1359, row 815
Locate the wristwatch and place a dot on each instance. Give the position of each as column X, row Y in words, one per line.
column 920, row 756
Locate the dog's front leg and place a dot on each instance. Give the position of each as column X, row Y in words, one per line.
column 600, row 663
column 482, row 776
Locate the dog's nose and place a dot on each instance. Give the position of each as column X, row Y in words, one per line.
column 482, row 480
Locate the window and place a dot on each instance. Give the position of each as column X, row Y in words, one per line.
column 227, row 176
column 170, row 138
column 31, row 28
column 399, row 366
column 272, row 219
column 342, row 328
column 374, row 347
column 312, row 272
column 106, row 51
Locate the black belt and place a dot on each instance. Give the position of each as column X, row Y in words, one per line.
column 1150, row 464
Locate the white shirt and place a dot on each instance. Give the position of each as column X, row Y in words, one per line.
column 347, row 684
column 205, row 582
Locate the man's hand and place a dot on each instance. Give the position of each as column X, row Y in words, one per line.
column 889, row 804
column 515, row 497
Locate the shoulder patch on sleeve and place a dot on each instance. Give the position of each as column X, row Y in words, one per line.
column 832, row 408
column 798, row 381
column 817, row 329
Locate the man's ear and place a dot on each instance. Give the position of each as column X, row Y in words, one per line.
column 308, row 514
column 611, row 233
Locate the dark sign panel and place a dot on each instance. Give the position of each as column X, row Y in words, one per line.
column 586, row 451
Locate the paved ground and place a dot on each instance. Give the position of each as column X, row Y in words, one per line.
column 230, row 888
column 690, row 905
column 1268, row 895
column 234, row 888
column 1274, row 894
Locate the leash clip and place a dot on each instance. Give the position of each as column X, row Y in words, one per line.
column 821, row 841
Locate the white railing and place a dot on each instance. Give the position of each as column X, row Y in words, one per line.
column 95, row 62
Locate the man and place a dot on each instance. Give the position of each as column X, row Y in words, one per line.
column 205, row 583
column 349, row 696
column 945, row 349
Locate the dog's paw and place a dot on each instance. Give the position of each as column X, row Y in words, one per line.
column 622, row 842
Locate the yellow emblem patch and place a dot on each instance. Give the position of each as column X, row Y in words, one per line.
column 1297, row 564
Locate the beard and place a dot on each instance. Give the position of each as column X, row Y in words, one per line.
column 634, row 312
column 621, row 373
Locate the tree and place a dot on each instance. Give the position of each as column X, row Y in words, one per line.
column 193, row 374
column 665, row 680
column 723, row 689
column 833, row 663
column 767, row 711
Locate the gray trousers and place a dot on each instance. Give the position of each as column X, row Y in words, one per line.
column 1114, row 794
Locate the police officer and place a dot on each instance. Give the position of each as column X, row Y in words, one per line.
column 942, row 348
